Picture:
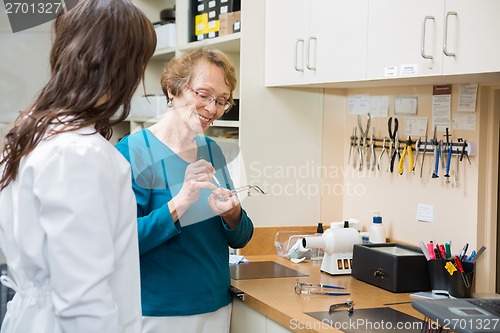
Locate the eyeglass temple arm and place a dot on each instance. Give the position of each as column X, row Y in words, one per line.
column 248, row 188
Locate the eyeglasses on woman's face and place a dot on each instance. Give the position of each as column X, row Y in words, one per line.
column 203, row 97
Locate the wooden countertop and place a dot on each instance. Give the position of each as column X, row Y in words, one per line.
column 276, row 299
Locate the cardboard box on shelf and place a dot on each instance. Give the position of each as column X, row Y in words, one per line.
column 227, row 22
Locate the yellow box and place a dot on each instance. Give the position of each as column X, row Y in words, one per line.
column 201, row 24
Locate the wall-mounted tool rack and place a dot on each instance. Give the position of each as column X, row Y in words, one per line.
column 363, row 152
column 470, row 147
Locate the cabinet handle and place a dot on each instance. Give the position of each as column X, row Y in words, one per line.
column 422, row 46
column 308, row 63
column 297, row 68
column 445, row 40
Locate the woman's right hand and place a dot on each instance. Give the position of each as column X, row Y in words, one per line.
column 198, row 175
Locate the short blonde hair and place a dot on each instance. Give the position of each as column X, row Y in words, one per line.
column 180, row 70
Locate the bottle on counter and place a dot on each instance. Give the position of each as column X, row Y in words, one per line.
column 317, row 254
column 376, row 231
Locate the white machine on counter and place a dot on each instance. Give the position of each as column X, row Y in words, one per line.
column 337, row 242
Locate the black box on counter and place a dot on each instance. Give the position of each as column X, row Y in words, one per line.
column 391, row 266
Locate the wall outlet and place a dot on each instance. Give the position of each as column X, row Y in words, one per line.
column 425, row 213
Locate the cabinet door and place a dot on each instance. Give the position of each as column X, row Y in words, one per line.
column 397, row 41
column 472, row 36
column 337, row 42
column 287, row 32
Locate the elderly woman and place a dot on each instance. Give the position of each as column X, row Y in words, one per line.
column 186, row 223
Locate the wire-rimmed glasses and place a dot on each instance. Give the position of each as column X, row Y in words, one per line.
column 248, row 188
column 220, row 103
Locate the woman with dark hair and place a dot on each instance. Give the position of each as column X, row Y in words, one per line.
column 186, row 223
column 67, row 209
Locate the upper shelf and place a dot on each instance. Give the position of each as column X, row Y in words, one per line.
column 227, row 43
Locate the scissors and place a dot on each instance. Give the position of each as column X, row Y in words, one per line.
column 393, row 134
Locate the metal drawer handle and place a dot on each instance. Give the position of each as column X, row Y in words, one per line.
column 422, row 46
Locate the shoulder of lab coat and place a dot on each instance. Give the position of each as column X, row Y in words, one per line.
column 87, row 211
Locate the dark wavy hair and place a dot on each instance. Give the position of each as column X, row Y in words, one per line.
column 180, row 70
column 98, row 58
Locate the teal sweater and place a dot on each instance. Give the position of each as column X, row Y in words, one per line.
column 184, row 265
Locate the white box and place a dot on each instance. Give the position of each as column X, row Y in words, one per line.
column 150, row 106
column 165, row 36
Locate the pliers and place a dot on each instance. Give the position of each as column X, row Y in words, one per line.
column 363, row 134
column 464, row 152
column 381, row 154
column 408, row 149
column 393, row 134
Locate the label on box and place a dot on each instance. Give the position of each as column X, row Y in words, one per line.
column 201, row 24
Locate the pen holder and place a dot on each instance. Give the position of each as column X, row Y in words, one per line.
column 438, row 276
column 460, row 284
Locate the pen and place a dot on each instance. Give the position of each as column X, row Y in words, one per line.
column 216, row 181
column 471, row 256
column 447, row 248
column 442, row 251
column 436, row 253
column 430, row 249
column 464, row 251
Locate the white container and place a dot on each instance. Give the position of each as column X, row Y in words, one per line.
column 165, row 36
column 148, row 107
column 376, row 231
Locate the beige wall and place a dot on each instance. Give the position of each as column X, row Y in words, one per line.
column 456, row 210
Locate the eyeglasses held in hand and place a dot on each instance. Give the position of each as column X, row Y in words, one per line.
column 248, row 188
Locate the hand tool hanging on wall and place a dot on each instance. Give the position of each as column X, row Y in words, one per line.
column 373, row 157
column 360, row 152
column 364, row 134
column 436, row 154
column 381, row 154
column 423, row 156
column 445, row 149
column 353, row 142
column 407, row 150
column 417, row 149
column 448, row 162
column 393, row 134
column 457, row 163
column 464, row 152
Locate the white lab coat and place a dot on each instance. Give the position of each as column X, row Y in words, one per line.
column 68, row 230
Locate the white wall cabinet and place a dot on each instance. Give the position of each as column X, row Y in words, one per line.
column 315, row 41
column 449, row 37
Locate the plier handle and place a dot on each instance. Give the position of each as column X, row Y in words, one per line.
column 393, row 134
column 408, row 149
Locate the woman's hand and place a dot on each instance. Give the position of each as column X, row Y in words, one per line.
column 227, row 205
column 198, row 175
